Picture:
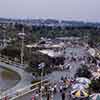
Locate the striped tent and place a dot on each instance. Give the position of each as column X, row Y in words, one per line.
column 83, row 80
column 95, row 96
column 79, row 93
column 78, row 86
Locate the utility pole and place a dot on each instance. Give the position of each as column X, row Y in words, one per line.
column 22, row 36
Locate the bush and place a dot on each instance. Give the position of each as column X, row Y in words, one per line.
column 95, row 85
column 83, row 72
column 11, row 52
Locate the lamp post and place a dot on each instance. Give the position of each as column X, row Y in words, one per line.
column 22, row 36
column 0, row 93
column 4, row 38
column 41, row 66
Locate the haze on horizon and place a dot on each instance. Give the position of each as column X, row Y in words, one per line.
column 86, row 10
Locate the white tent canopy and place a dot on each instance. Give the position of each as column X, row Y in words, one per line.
column 83, row 80
column 92, row 51
column 78, row 86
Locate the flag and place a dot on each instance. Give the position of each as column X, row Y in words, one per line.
column 41, row 65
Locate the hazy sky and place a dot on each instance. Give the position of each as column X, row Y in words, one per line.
column 88, row 10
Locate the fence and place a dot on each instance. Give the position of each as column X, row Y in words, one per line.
column 22, row 91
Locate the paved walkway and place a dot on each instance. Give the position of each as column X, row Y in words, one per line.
column 79, row 52
column 26, row 78
column 57, row 75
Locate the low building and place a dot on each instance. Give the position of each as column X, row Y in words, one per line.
column 52, row 53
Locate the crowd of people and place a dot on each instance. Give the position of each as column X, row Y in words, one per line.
column 62, row 87
column 48, row 92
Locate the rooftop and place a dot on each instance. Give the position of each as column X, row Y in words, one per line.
column 51, row 53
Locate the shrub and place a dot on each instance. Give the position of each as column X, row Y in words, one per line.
column 95, row 85
column 83, row 72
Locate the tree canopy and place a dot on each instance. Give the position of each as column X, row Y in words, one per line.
column 83, row 72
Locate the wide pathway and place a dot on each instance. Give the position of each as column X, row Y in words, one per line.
column 56, row 76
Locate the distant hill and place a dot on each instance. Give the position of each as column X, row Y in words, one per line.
column 50, row 22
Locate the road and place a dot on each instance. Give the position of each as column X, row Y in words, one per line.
column 78, row 51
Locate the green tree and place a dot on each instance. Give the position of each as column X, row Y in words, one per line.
column 11, row 52
column 95, row 85
column 83, row 72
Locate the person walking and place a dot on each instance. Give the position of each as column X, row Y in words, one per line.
column 37, row 95
column 48, row 96
column 6, row 98
column 63, row 95
column 33, row 98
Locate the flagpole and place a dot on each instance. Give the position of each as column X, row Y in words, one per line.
column 41, row 84
column 41, row 67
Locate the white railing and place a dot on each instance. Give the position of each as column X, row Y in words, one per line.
column 23, row 91
column 10, row 62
